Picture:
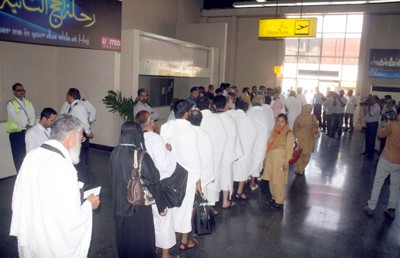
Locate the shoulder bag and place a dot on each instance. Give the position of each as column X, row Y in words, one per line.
column 297, row 150
column 138, row 195
column 174, row 187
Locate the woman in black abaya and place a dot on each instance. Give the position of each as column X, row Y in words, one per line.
column 134, row 228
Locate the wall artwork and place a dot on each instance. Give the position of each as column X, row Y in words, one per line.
column 384, row 63
column 92, row 24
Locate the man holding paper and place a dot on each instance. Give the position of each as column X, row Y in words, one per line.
column 48, row 218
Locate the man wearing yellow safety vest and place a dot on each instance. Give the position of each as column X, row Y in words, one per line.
column 21, row 117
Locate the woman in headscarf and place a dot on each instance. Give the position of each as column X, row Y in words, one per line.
column 134, row 228
column 279, row 152
column 303, row 131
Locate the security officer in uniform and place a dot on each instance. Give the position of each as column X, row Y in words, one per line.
column 21, row 117
column 78, row 109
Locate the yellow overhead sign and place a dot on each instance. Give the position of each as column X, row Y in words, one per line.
column 288, row 28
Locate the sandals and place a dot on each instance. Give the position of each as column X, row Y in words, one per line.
column 254, row 187
column 231, row 204
column 241, row 196
column 276, row 206
column 186, row 246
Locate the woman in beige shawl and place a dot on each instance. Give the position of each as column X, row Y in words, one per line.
column 279, row 152
column 303, row 131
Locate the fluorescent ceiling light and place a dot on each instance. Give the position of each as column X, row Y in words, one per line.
column 260, row 3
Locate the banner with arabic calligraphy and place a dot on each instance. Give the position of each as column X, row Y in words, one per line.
column 93, row 24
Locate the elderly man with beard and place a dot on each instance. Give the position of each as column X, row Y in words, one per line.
column 48, row 217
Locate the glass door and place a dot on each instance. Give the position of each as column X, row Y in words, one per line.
column 325, row 86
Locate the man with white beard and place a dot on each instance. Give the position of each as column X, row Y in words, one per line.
column 48, row 217
column 248, row 134
column 214, row 126
column 264, row 122
column 184, row 143
column 165, row 162
column 233, row 150
column 294, row 107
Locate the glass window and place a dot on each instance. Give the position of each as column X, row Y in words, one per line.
column 310, row 47
column 290, row 70
column 352, row 48
column 354, row 23
column 351, row 85
column 332, row 47
column 287, row 84
column 331, row 56
column 307, row 85
column 291, row 46
column 334, row 23
column 337, row 60
column 307, row 60
column 350, row 61
column 349, row 72
column 290, row 59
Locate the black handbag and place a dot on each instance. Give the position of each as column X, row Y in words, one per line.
column 174, row 187
column 203, row 221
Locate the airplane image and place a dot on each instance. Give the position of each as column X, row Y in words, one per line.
column 300, row 27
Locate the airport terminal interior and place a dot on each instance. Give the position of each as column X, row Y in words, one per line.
column 323, row 214
column 169, row 46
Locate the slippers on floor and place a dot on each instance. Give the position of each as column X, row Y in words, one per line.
column 231, row 204
column 241, row 196
column 187, row 246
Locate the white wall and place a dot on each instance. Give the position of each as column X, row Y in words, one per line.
column 35, row 67
column 93, row 73
column 47, row 73
column 210, row 35
column 153, row 16
column 249, row 60
column 256, row 58
column 159, row 17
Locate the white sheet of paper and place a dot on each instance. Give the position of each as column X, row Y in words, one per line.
column 94, row 191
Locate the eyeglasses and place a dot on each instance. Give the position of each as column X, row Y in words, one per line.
column 20, row 90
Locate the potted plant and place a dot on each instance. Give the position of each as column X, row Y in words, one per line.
column 117, row 103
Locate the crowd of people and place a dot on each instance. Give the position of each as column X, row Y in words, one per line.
column 223, row 139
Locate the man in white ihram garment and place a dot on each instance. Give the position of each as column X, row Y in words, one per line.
column 294, row 107
column 248, row 134
column 205, row 149
column 301, row 97
column 213, row 124
column 48, row 217
column 166, row 164
column 233, row 150
column 184, row 143
column 262, row 121
column 40, row 133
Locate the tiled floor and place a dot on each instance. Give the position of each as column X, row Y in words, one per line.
column 323, row 214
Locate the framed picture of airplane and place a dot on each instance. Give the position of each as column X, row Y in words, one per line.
column 384, row 63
